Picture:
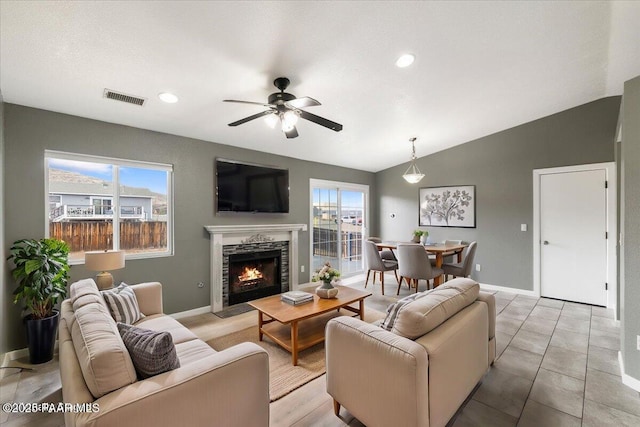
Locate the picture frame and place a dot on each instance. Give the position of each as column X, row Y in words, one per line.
column 448, row 206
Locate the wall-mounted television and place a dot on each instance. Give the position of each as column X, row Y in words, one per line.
column 246, row 187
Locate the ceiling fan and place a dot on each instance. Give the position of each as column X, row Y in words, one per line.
column 286, row 108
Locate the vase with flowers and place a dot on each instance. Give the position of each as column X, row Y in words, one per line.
column 328, row 276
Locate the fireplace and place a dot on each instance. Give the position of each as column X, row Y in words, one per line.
column 227, row 240
column 254, row 269
column 254, row 275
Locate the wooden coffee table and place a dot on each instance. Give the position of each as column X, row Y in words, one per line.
column 297, row 327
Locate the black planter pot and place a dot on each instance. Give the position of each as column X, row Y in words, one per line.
column 41, row 337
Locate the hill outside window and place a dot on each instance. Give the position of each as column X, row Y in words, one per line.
column 85, row 193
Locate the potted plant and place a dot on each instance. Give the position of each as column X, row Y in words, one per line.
column 41, row 271
column 420, row 236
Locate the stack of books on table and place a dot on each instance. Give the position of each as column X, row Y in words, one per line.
column 296, row 297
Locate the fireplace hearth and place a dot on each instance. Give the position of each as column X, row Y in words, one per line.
column 254, row 275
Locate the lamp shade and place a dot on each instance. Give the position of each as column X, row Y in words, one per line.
column 413, row 175
column 104, row 260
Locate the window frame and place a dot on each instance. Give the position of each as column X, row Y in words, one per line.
column 116, row 163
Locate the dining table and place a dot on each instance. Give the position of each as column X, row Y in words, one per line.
column 440, row 250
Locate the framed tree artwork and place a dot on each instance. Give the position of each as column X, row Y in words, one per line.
column 453, row 206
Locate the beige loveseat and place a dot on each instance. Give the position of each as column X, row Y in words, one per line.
column 422, row 370
column 226, row 388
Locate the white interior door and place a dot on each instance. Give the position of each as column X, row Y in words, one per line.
column 573, row 222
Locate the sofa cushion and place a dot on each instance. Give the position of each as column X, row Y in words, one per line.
column 162, row 322
column 192, row 351
column 152, row 352
column 412, row 318
column 123, row 304
column 104, row 360
column 85, row 292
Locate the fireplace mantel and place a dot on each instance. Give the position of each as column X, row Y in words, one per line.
column 221, row 235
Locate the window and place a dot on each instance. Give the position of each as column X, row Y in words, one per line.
column 54, row 202
column 85, row 193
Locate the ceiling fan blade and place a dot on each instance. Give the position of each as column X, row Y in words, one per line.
column 303, row 102
column 255, row 116
column 321, row 121
column 292, row 133
column 247, row 102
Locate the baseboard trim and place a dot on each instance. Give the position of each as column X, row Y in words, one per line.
column 20, row 353
column 627, row 380
column 10, row 356
column 509, row 290
column 193, row 312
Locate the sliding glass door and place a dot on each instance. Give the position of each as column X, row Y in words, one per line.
column 339, row 215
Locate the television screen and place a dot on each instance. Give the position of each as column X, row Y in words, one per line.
column 243, row 187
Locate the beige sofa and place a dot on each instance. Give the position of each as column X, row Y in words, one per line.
column 226, row 388
column 421, row 378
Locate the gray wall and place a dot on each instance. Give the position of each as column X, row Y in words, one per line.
column 500, row 166
column 28, row 132
column 630, row 228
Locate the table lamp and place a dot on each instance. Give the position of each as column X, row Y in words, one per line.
column 104, row 261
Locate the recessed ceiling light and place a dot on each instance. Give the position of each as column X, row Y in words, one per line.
column 167, row 97
column 405, row 60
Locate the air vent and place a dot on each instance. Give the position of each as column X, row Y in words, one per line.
column 117, row 96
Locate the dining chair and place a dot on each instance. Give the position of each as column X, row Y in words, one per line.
column 413, row 264
column 376, row 264
column 385, row 253
column 462, row 269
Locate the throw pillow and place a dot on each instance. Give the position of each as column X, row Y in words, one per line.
column 152, row 352
column 123, row 304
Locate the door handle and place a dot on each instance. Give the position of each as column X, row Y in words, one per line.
column 546, row 242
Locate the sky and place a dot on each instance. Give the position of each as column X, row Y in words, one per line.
column 350, row 199
column 154, row 180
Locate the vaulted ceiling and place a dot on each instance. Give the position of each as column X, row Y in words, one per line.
column 480, row 67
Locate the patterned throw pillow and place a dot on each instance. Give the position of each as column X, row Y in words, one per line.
column 394, row 309
column 152, row 352
column 123, row 304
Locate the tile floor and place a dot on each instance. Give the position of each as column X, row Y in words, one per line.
column 557, row 366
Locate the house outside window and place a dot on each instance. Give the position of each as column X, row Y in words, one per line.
column 86, row 193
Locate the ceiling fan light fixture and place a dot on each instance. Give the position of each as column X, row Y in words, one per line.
column 286, row 108
column 289, row 120
column 413, row 175
column 271, row 120
column 405, row 60
column 286, row 127
column 167, row 97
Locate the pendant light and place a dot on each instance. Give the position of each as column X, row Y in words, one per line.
column 413, row 174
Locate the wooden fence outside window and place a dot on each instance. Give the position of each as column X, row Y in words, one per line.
column 84, row 236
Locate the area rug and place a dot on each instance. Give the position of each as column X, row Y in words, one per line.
column 283, row 376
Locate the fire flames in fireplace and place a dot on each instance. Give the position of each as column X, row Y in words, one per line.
column 254, row 275
column 250, row 276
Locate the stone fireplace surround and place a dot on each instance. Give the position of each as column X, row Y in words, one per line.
column 225, row 235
